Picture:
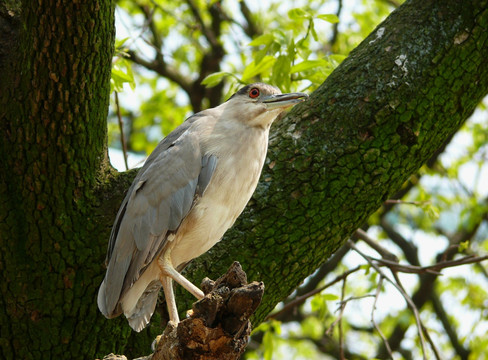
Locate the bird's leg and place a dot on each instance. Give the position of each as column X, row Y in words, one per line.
column 180, row 279
column 167, row 269
column 170, row 298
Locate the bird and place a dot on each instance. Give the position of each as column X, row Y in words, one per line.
column 189, row 191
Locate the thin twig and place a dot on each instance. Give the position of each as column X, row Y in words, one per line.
column 335, row 27
column 341, row 314
column 121, row 128
column 385, row 340
column 361, row 234
column 299, row 300
column 432, row 344
column 353, row 298
column 402, row 292
column 396, row 201
column 431, row 269
column 418, row 321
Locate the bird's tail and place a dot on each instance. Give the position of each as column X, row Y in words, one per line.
column 140, row 315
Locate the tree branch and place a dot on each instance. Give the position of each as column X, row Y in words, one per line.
column 209, row 34
column 336, row 158
column 252, row 30
column 462, row 352
column 399, row 287
column 161, row 68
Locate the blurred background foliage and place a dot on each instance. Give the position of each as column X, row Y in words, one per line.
column 174, row 58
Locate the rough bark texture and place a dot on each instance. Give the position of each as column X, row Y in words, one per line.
column 56, row 60
column 218, row 327
column 332, row 162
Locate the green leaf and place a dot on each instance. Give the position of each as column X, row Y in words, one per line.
column 308, row 64
column 254, row 69
column 264, row 39
column 261, row 54
column 214, row 79
column 313, row 327
column 329, row 297
column 312, row 30
column 463, row 246
column 281, row 73
column 331, row 18
column 121, row 73
column 337, row 57
column 120, row 42
column 298, row 13
column 268, row 344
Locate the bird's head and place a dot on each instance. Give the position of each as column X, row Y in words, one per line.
column 259, row 104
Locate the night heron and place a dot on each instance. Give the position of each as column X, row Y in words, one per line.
column 190, row 190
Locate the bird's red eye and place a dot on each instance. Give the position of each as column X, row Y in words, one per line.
column 254, row 93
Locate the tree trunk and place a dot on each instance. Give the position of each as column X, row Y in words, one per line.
column 332, row 162
column 55, row 61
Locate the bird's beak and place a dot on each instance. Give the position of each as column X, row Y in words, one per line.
column 283, row 100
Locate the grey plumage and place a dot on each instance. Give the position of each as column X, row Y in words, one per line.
column 188, row 193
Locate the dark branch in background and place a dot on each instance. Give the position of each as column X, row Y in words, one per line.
column 408, row 248
column 335, row 27
column 161, row 68
column 450, row 331
column 329, row 266
column 211, row 58
column 385, row 254
column 252, row 29
column 301, row 299
column 156, row 41
column 158, row 64
column 209, row 35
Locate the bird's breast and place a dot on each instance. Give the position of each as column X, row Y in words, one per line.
column 232, row 185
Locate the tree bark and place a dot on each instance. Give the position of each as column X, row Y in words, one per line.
column 56, row 60
column 382, row 113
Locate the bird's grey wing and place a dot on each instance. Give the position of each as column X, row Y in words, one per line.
column 162, row 147
column 161, row 196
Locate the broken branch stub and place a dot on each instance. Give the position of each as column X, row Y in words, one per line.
column 219, row 326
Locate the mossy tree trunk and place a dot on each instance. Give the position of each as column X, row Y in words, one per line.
column 408, row 87
column 54, row 90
